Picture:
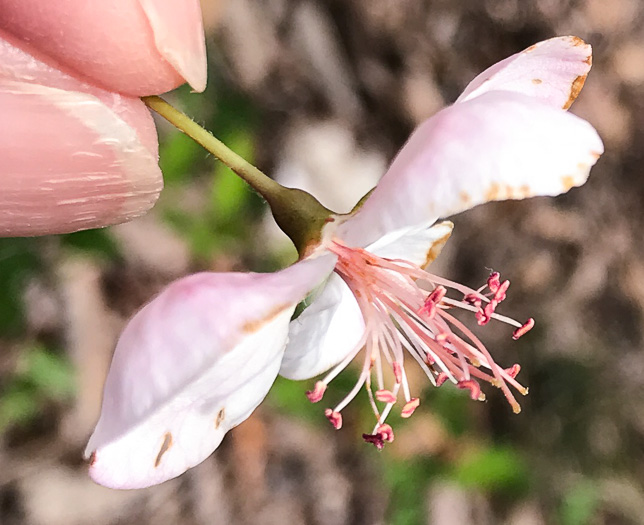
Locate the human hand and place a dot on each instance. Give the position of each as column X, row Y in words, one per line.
column 78, row 149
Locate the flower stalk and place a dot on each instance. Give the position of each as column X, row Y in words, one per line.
column 297, row 213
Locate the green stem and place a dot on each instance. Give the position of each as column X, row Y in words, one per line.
column 297, row 213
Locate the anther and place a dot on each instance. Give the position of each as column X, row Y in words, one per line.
column 334, row 417
column 524, row 329
column 472, row 386
column 493, row 281
column 385, row 396
column 316, row 394
column 409, row 407
column 500, row 295
column 397, row 371
column 441, row 378
column 437, row 295
column 514, row 370
column 386, row 433
column 482, row 316
column 375, row 439
column 472, row 299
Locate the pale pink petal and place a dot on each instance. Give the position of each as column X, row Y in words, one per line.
column 419, row 245
column 500, row 145
column 192, row 364
column 137, row 47
column 553, row 71
column 324, row 334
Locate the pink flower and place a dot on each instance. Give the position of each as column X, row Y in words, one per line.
column 79, row 148
column 508, row 136
column 200, row 357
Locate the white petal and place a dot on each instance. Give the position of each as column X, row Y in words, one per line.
column 418, row 244
column 553, row 71
column 500, row 145
column 192, row 364
column 324, row 334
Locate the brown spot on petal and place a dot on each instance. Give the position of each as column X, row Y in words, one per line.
column 525, row 191
column 589, row 60
column 220, row 417
column 531, row 48
column 595, row 154
column 567, row 181
column 250, row 327
column 576, row 41
column 465, row 198
column 575, row 88
column 537, row 81
column 92, row 459
column 435, row 249
column 165, row 446
column 493, row 193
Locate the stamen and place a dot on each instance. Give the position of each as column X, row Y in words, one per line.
column 386, row 432
column 385, row 396
column 316, row 394
column 334, row 417
column 513, row 371
column 397, row 371
column 500, row 294
column 472, row 386
column 441, row 378
column 374, row 439
column 400, row 316
column 494, row 281
column 523, row 329
column 409, row 407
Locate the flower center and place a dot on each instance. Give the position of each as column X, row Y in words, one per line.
column 402, row 318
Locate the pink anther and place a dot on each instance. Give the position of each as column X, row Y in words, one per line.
column 397, row 371
column 386, row 433
column 472, row 299
column 514, row 370
column 441, row 378
column 316, row 394
column 334, row 417
column 409, row 407
column 472, row 386
column 428, row 310
column 484, row 315
column 494, row 281
column 500, row 294
column 386, row 396
column 437, row 295
column 524, row 329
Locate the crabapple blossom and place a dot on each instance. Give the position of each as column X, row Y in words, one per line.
column 200, row 357
column 507, row 137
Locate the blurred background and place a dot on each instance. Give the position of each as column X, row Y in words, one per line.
column 321, row 94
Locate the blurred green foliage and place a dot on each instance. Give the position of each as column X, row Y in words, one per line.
column 41, row 377
column 19, row 260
